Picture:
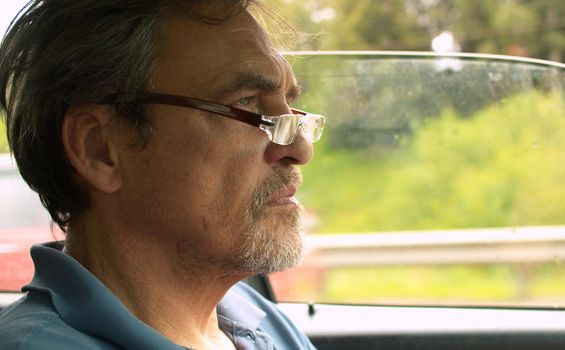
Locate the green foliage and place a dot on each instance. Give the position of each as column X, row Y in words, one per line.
column 502, row 166
column 363, row 25
column 3, row 138
column 441, row 285
column 435, row 285
column 518, row 27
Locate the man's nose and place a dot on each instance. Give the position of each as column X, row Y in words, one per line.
column 299, row 152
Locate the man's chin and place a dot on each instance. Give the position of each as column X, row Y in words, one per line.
column 273, row 243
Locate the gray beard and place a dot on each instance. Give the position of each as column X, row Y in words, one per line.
column 273, row 242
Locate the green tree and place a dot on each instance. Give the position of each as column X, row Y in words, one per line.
column 520, row 27
column 369, row 25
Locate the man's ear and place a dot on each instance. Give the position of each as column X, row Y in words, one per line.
column 90, row 148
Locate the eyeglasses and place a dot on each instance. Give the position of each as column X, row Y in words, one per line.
column 281, row 129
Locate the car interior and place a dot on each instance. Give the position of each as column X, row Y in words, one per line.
column 368, row 128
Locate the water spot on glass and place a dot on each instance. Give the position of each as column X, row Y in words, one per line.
column 535, row 143
column 495, row 76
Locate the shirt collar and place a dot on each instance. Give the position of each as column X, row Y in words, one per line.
column 236, row 308
column 83, row 302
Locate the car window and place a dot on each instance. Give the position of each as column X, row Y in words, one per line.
column 20, row 206
column 23, row 222
column 438, row 181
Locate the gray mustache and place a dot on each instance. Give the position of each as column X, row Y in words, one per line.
column 283, row 177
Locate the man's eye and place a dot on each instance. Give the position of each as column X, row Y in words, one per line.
column 245, row 101
column 248, row 103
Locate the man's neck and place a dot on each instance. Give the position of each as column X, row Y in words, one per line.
column 179, row 303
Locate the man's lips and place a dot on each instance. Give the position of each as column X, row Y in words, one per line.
column 284, row 196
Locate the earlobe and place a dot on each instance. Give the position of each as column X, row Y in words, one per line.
column 86, row 136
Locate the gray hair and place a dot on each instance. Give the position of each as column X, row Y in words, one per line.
column 59, row 53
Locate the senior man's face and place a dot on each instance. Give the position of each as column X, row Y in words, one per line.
column 211, row 189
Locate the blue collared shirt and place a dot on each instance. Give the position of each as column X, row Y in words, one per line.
column 66, row 307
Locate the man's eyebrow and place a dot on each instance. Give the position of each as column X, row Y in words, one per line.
column 257, row 81
column 247, row 80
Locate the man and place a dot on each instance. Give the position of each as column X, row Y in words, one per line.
column 143, row 126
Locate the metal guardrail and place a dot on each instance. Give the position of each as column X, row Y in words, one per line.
column 469, row 246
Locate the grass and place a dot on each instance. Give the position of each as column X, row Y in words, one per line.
column 539, row 285
column 419, row 283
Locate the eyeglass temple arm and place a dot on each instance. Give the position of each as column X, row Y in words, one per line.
column 192, row 102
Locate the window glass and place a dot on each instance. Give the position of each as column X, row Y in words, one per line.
column 20, row 206
column 23, row 222
column 438, row 181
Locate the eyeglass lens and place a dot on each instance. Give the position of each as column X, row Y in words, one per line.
column 287, row 126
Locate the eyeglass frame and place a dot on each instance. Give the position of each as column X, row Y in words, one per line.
column 253, row 119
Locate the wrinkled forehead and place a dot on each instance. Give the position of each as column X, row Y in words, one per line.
column 200, row 58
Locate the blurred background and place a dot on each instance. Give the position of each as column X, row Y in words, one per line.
column 533, row 28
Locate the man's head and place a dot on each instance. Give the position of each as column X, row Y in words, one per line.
column 64, row 52
column 215, row 188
